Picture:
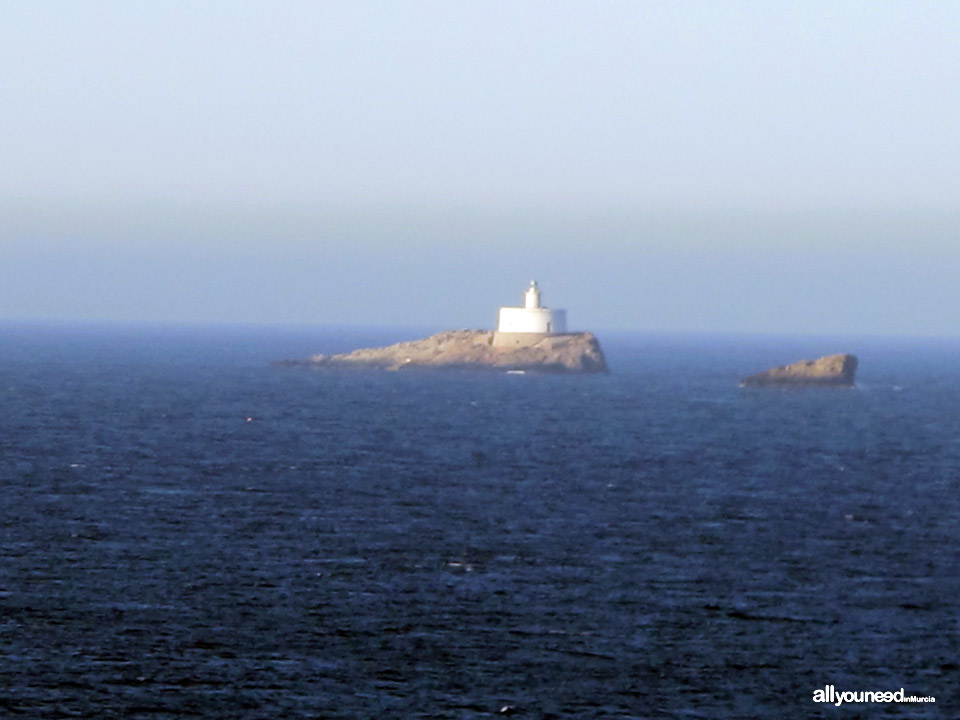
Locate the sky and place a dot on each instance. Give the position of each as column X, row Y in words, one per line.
column 788, row 167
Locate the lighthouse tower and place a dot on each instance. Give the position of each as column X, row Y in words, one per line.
column 531, row 298
column 528, row 324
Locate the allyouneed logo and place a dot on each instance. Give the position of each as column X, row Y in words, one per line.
column 829, row 694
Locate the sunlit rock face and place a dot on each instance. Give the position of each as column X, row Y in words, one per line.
column 477, row 349
column 834, row 370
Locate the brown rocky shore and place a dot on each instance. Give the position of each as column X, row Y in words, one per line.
column 475, row 350
column 831, row 370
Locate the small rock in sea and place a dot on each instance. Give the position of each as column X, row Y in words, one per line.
column 831, row 370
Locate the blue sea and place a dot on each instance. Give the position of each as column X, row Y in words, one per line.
column 188, row 531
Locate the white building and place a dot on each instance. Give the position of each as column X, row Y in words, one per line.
column 532, row 317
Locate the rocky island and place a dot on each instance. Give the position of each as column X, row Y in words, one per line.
column 831, row 370
column 476, row 350
column 530, row 338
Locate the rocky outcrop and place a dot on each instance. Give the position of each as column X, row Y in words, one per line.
column 475, row 349
column 833, row 370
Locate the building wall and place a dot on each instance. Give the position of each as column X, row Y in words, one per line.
column 532, row 320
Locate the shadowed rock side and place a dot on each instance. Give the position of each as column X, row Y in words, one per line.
column 833, row 370
column 474, row 349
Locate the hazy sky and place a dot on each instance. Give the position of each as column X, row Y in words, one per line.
column 689, row 166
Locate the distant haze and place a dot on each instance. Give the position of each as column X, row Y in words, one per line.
column 677, row 166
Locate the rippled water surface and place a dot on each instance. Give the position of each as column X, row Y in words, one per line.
column 187, row 531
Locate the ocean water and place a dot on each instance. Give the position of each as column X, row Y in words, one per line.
column 186, row 531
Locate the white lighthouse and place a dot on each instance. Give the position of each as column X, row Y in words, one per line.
column 531, row 319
